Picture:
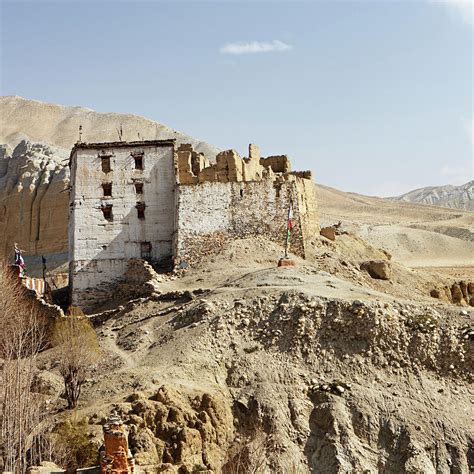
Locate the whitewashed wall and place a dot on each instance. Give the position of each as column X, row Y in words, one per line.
column 243, row 209
column 98, row 249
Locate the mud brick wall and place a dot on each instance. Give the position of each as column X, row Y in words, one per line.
column 243, row 209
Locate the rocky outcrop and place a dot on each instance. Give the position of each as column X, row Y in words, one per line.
column 379, row 269
column 457, row 197
column 461, row 293
column 34, row 201
column 169, row 430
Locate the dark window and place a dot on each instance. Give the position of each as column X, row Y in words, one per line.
column 140, row 210
column 106, row 164
column 241, row 193
column 145, row 249
column 107, row 211
column 107, row 187
column 138, row 162
column 139, row 188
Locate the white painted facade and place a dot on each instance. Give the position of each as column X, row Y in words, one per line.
column 99, row 249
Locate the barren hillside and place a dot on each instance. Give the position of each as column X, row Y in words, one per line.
column 416, row 235
column 24, row 119
column 456, row 197
column 239, row 365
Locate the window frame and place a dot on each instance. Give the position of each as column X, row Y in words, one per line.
column 138, row 185
column 140, row 207
column 106, row 164
column 145, row 249
column 108, row 186
column 107, row 209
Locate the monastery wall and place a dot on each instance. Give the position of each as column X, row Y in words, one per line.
column 215, row 211
column 100, row 248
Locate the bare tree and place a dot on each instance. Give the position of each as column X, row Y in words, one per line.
column 22, row 337
column 78, row 351
column 250, row 455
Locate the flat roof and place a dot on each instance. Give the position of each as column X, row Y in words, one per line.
column 141, row 143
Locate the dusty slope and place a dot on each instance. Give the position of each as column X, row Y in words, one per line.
column 294, row 368
column 416, row 235
column 59, row 125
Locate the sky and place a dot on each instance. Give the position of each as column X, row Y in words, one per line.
column 375, row 97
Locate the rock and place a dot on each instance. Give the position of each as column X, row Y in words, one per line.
column 47, row 383
column 166, row 468
column 144, row 444
column 328, row 232
column 34, row 211
column 435, row 293
column 378, row 269
column 456, row 294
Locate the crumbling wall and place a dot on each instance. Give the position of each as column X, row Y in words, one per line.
column 278, row 163
column 190, row 164
column 242, row 209
column 229, row 166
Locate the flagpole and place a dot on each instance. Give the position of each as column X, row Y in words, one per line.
column 288, row 228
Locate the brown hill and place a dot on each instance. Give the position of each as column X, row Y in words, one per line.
column 37, row 121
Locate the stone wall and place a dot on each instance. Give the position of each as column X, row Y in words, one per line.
column 242, row 209
column 100, row 249
column 229, row 167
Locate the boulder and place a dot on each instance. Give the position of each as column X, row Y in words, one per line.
column 328, row 232
column 378, row 269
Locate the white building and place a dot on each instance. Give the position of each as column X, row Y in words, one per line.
column 122, row 206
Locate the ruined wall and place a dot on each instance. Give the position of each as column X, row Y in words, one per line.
column 100, row 249
column 240, row 209
column 229, row 167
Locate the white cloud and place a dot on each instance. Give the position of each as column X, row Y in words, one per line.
column 465, row 8
column 251, row 47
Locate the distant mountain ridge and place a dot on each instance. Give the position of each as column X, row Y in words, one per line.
column 455, row 197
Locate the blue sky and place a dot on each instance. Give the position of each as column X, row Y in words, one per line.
column 374, row 97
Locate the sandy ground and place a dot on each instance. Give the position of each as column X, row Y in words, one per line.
column 415, row 235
